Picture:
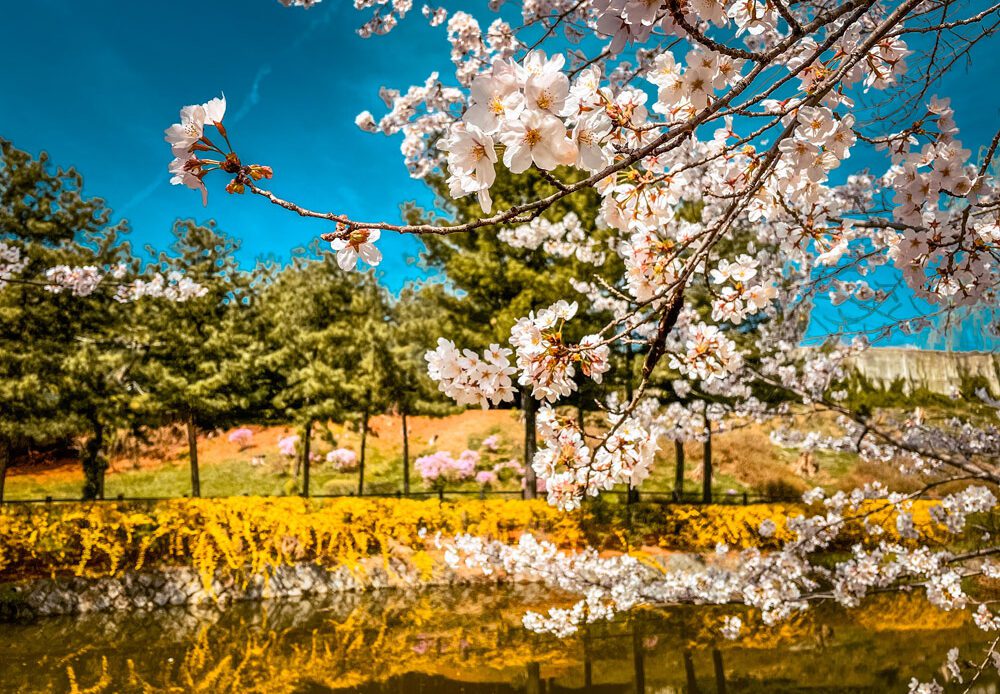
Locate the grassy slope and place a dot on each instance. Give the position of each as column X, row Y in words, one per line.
column 744, row 460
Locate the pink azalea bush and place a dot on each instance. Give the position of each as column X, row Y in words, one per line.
column 287, row 444
column 342, row 459
column 242, row 437
column 487, row 478
column 440, row 466
column 492, row 443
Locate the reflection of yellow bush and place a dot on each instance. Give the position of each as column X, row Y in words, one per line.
column 474, row 636
column 254, row 535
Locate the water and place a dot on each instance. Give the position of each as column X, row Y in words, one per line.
column 446, row 641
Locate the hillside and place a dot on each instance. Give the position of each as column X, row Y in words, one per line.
column 744, row 460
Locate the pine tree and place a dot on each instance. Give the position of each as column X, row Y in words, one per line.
column 195, row 374
column 326, row 331
column 47, row 221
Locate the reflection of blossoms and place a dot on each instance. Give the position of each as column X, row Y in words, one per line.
column 731, row 628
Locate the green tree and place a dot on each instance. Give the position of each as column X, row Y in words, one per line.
column 416, row 319
column 45, row 221
column 195, row 374
column 327, row 334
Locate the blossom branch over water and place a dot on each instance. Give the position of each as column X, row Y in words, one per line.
column 717, row 135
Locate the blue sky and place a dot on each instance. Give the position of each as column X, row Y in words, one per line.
column 95, row 83
column 106, row 78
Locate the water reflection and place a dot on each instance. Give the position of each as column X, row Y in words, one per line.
column 470, row 640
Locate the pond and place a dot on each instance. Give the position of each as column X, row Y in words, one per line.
column 445, row 641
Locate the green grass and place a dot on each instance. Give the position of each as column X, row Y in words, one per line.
column 383, row 475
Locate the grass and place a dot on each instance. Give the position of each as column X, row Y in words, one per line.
column 744, row 461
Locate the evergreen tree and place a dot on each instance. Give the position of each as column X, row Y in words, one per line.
column 195, row 374
column 327, row 329
column 45, row 220
column 416, row 320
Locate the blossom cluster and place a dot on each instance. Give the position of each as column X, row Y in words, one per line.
column 565, row 239
column 714, row 133
column 84, row 281
column 12, row 262
column 470, row 379
column 188, row 137
column 708, row 354
column 547, row 364
column 570, row 469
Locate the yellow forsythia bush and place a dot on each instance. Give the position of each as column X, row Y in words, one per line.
column 249, row 535
column 703, row 527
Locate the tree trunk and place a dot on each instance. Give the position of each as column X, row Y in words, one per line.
column 193, row 454
column 678, row 469
column 406, row 456
column 306, row 452
column 706, row 480
column 361, row 463
column 94, row 463
column 534, row 683
column 5, row 456
column 530, row 406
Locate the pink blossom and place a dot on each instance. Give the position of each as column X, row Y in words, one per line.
column 242, row 437
column 440, row 466
column 342, row 459
column 486, row 478
column 287, row 445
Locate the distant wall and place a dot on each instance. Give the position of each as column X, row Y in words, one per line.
column 931, row 370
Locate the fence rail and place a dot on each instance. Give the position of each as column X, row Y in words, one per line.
column 633, row 496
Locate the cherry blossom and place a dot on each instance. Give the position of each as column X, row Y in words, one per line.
column 360, row 243
column 723, row 139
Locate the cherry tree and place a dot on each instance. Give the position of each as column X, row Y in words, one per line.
column 752, row 111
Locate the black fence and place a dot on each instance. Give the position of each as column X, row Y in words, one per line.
column 626, row 497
